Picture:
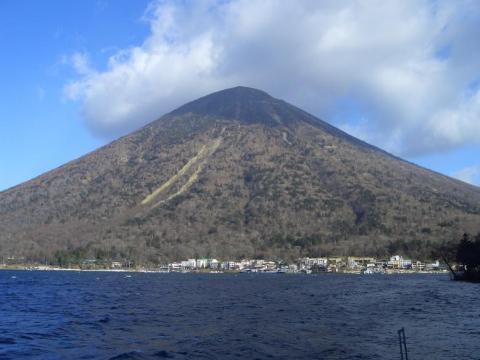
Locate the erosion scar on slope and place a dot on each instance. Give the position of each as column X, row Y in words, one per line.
column 200, row 160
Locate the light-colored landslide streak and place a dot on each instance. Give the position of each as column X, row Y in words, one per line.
column 202, row 156
column 175, row 177
column 194, row 177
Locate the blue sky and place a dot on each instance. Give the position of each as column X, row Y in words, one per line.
column 76, row 75
column 40, row 129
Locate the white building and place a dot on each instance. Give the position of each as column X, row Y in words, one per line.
column 433, row 266
column 418, row 265
column 245, row 263
column 307, row 263
column 269, row 265
column 355, row 262
column 189, row 264
column 227, row 265
column 292, row 268
column 116, row 265
column 398, row 262
column 213, row 263
column 175, row 266
column 202, row 263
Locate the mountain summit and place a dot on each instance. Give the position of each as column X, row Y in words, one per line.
column 243, row 104
column 236, row 173
column 251, row 106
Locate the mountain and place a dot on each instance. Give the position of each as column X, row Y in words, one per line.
column 235, row 174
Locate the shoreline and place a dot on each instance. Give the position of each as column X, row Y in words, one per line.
column 53, row 269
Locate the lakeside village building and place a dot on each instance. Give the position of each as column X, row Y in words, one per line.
column 307, row 265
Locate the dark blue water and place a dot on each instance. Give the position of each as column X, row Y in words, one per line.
column 72, row 315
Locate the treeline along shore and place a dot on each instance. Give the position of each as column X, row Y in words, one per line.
column 463, row 255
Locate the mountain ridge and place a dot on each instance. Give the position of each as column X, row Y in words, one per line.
column 246, row 97
column 186, row 108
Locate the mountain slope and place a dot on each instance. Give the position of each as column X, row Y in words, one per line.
column 236, row 173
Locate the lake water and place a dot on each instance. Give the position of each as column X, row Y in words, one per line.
column 100, row 315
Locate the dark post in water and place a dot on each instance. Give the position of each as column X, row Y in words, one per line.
column 403, row 344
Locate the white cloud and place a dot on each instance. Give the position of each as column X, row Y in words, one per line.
column 80, row 63
column 469, row 174
column 385, row 55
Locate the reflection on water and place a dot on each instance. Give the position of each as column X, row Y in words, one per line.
column 72, row 315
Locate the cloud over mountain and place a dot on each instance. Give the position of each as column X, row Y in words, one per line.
column 402, row 75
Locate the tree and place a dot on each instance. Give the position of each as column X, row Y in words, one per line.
column 468, row 253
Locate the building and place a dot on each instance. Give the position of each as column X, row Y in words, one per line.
column 354, row 262
column 335, row 263
column 230, row 265
column 433, row 266
column 292, row 268
column 398, row 262
column 176, row 266
column 309, row 263
column 213, row 264
column 246, row 263
column 418, row 266
column 116, row 265
column 202, row 263
column 188, row 264
column 270, row 265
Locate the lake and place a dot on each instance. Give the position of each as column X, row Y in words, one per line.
column 107, row 315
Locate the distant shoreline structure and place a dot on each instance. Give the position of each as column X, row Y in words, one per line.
column 345, row 265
